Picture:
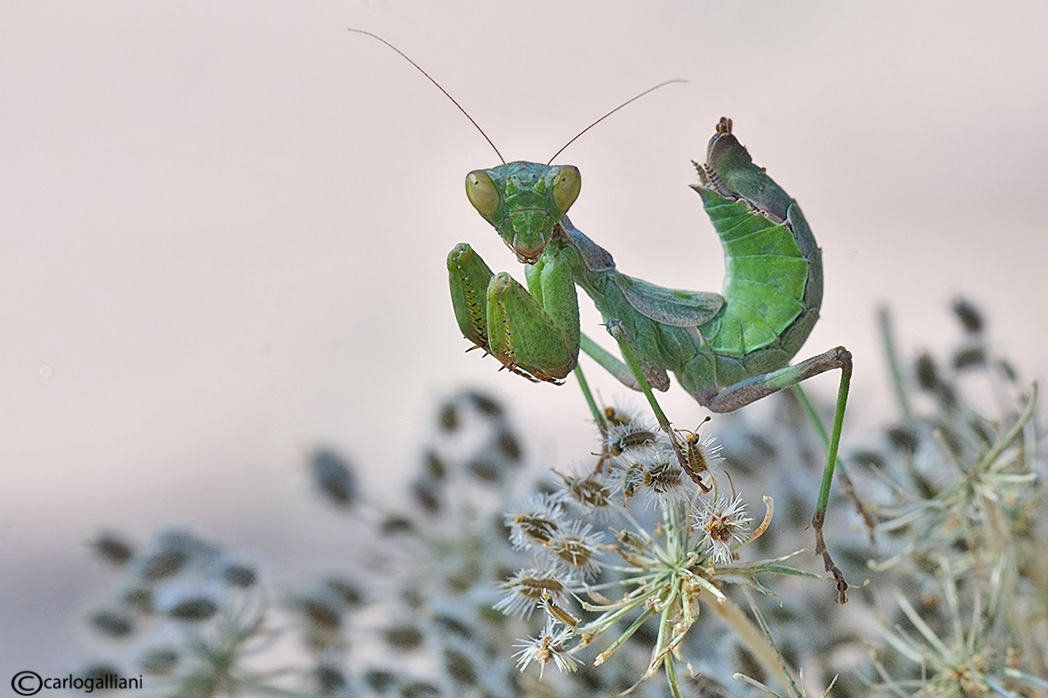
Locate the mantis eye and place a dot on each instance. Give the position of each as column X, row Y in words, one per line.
column 481, row 192
column 566, row 187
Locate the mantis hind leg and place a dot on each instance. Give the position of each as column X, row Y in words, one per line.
column 744, row 392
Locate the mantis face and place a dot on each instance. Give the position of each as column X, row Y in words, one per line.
column 523, row 201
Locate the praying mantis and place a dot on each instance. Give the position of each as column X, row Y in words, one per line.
column 727, row 350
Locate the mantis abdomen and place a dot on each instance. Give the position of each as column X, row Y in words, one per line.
column 772, row 289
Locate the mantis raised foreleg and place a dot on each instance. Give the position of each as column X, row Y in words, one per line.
column 727, row 350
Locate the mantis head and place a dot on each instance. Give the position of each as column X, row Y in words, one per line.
column 524, row 201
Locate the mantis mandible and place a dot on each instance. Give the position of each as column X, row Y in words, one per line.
column 726, row 349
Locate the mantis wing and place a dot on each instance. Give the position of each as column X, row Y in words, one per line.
column 667, row 305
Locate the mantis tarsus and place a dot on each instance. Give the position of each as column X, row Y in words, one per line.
column 727, row 350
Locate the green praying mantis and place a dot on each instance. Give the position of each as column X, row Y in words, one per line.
column 726, row 349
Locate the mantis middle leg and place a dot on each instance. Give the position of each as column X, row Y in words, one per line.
column 639, row 375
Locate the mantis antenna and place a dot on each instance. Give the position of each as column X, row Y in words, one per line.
column 628, row 101
column 446, row 94
column 477, row 126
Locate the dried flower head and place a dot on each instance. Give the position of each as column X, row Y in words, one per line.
column 549, row 645
column 537, row 523
column 574, row 551
column 663, row 479
column 334, row 477
column 631, row 438
column 591, row 493
column 723, row 521
column 527, row 589
column 703, row 452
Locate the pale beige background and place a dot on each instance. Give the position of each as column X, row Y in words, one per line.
column 223, row 228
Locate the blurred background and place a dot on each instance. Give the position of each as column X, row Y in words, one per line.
column 223, row 229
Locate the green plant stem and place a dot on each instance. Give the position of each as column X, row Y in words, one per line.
column 671, row 677
column 888, row 343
